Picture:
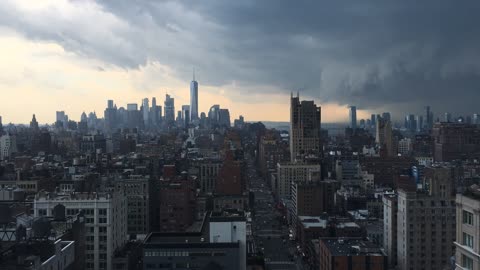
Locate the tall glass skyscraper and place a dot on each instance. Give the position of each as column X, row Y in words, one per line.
column 193, row 99
column 353, row 117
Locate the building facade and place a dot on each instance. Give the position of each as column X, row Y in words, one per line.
column 426, row 222
column 305, row 128
column 105, row 222
column 292, row 172
column 468, row 230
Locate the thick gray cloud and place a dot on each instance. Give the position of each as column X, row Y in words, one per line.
column 398, row 55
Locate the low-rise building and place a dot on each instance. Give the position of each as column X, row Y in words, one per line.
column 350, row 253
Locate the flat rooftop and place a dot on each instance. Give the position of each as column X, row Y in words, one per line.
column 352, row 247
column 312, row 222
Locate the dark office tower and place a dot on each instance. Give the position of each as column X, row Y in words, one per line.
column 353, row 117
column 305, row 127
column 224, row 118
column 169, row 110
column 203, row 120
column 448, row 117
column 384, row 137
column 410, row 123
column 154, row 112
column 428, row 120
column 34, row 124
column 419, row 120
column 110, row 116
column 468, row 119
column 455, row 141
column 179, row 120
column 145, row 112
column 186, row 115
column 362, row 123
column 193, row 99
column 373, row 120
column 386, row 116
column 1, row 126
column 214, row 115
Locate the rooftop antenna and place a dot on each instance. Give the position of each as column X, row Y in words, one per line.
column 193, row 74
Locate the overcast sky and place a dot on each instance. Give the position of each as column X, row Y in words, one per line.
column 248, row 55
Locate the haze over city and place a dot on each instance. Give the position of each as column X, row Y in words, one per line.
column 248, row 56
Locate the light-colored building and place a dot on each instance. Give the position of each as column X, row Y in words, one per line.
column 8, row 146
column 137, row 191
column 293, row 172
column 468, row 230
column 305, row 127
column 230, row 230
column 426, row 222
column 105, row 222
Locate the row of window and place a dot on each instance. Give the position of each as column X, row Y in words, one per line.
column 182, row 254
column 467, row 217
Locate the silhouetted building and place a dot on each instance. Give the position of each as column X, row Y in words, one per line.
column 353, row 117
column 169, row 108
column 350, row 253
column 455, row 141
column 305, row 126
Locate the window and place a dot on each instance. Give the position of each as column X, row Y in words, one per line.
column 102, row 212
column 467, row 262
column 102, row 229
column 467, row 240
column 42, row 212
column 102, row 220
column 467, row 218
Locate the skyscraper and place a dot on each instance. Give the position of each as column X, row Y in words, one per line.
column 110, row 115
column 387, row 116
column 428, row 120
column 145, row 111
column 353, row 117
column 34, row 123
column 193, row 99
column 384, row 135
column 169, row 110
column 305, row 127
column 154, row 112
column 224, row 118
column 448, row 117
column 373, row 120
column 186, row 115
column 419, row 123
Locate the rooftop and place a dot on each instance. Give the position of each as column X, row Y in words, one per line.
column 313, row 222
column 352, row 247
column 347, row 225
column 72, row 196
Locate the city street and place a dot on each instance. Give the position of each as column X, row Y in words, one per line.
column 269, row 230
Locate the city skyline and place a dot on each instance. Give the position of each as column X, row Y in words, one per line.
column 74, row 55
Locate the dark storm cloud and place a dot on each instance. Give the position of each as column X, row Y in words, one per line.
column 396, row 54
